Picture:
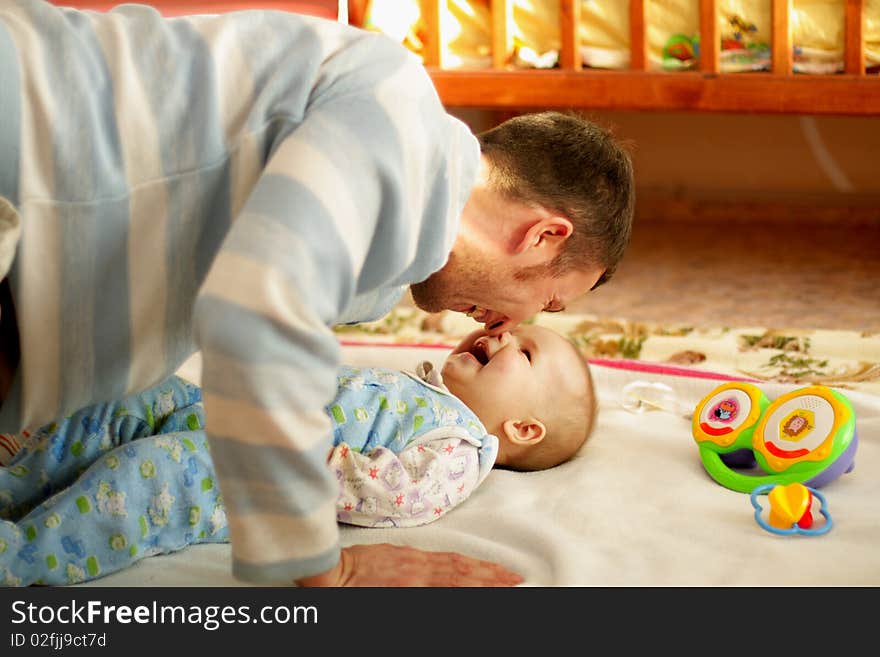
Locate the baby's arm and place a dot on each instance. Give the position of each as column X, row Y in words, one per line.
column 418, row 485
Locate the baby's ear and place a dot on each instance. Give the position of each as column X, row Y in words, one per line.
column 524, row 432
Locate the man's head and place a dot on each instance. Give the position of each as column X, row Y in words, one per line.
column 531, row 388
column 548, row 219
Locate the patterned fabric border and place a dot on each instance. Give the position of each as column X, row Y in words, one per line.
column 849, row 360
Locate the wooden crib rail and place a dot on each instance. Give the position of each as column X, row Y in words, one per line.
column 708, row 89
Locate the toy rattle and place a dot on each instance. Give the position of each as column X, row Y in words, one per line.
column 790, row 509
column 806, row 436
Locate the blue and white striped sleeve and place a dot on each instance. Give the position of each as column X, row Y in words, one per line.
column 362, row 193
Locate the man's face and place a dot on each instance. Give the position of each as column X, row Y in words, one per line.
column 492, row 293
column 497, row 271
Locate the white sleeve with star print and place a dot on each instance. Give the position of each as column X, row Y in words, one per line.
column 430, row 476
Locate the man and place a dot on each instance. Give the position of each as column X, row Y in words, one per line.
column 240, row 184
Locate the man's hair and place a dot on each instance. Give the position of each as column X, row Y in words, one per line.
column 573, row 166
column 569, row 421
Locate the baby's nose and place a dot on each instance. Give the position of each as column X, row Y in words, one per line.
column 505, row 339
column 492, row 344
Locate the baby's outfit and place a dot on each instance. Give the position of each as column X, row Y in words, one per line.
column 405, row 449
column 117, row 482
column 107, row 486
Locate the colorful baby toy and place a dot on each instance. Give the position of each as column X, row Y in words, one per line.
column 790, row 509
column 807, row 436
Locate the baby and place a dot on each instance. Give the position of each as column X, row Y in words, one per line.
column 409, row 447
column 117, row 482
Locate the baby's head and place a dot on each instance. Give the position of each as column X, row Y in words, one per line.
column 531, row 388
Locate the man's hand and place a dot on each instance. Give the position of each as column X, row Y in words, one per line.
column 392, row 565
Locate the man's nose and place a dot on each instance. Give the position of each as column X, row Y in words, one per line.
column 497, row 327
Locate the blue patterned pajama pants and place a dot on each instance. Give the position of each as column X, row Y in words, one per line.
column 107, row 486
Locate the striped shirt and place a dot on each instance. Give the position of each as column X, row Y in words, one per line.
column 238, row 184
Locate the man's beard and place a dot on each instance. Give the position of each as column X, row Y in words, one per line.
column 466, row 278
column 435, row 292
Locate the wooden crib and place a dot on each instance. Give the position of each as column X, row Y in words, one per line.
column 571, row 85
column 504, row 87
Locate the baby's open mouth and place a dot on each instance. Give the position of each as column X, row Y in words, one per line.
column 478, row 351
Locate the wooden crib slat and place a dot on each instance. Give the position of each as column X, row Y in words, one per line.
column 502, row 35
column 569, row 20
column 781, row 48
column 357, row 12
column 433, row 45
column 503, row 88
column 638, row 36
column 710, row 41
column 854, row 39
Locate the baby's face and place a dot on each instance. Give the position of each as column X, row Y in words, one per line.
column 510, row 374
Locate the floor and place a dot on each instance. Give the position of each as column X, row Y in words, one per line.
column 773, row 274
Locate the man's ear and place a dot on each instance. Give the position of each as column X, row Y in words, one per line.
column 524, row 432
column 546, row 231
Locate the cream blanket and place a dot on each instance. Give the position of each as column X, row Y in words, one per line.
column 634, row 508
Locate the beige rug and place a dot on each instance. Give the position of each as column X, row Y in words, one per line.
column 849, row 360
